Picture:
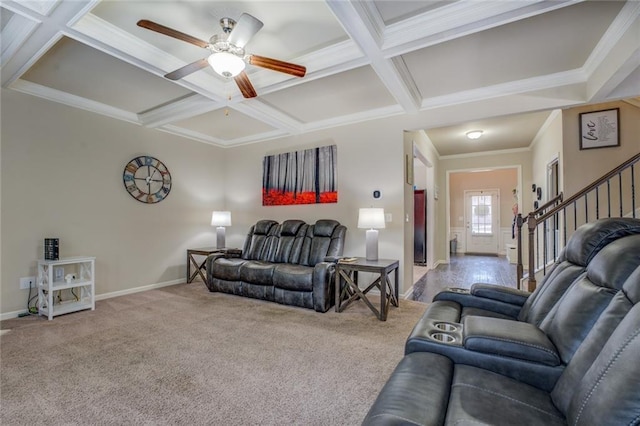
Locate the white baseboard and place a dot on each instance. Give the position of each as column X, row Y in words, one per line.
column 15, row 314
column 138, row 289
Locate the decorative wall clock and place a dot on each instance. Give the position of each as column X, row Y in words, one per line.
column 147, row 179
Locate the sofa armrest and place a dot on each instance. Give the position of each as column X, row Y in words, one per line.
column 323, row 286
column 509, row 295
column 332, row 259
column 467, row 300
column 212, row 258
column 507, row 338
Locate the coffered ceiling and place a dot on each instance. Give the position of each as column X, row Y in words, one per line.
column 365, row 60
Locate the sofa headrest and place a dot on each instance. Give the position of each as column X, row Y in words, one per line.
column 612, row 266
column 262, row 227
column 590, row 238
column 325, row 227
column 631, row 287
column 291, row 227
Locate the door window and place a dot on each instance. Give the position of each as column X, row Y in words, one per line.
column 481, row 215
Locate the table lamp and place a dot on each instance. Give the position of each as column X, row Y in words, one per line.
column 371, row 218
column 220, row 220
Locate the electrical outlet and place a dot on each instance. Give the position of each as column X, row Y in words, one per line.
column 26, row 282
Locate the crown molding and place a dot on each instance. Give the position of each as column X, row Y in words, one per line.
column 620, row 25
column 485, row 153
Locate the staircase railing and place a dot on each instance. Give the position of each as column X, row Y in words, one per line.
column 612, row 195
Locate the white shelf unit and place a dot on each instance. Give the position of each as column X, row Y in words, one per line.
column 83, row 286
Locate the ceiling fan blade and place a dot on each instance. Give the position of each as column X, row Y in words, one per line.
column 246, row 27
column 172, row 33
column 245, row 86
column 276, row 65
column 187, row 69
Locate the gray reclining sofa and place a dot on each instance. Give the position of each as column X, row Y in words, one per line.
column 292, row 263
column 575, row 363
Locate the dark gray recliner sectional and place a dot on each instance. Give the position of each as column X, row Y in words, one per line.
column 292, row 263
column 576, row 363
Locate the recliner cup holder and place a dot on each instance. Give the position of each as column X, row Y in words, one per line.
column 443, row 337
column 458, row 290
column 446, row 326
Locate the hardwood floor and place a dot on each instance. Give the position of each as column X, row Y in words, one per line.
column 462, row 271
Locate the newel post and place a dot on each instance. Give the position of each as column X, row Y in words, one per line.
column 519, row 267
column 531, row 224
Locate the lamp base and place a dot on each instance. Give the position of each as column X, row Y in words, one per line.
column 220, row 237
column 372, row 244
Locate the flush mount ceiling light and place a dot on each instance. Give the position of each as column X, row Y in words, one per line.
column 474, row 134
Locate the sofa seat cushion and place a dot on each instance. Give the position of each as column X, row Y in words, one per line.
column 482, row 397
column 514, row 339
column 293, row 277
column 257, row 272
column 227, row 269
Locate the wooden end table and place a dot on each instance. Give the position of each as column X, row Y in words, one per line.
column 200, row 266
column 350, row 292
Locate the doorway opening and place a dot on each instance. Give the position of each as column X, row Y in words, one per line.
column 423, row 217
column 480, row 210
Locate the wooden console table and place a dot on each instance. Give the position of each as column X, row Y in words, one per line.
column 347, row 293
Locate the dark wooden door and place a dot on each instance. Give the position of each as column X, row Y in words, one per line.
column 420, row 226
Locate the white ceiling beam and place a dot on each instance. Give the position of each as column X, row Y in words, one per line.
column 460, row 19
column 178, row 110
column 363, row 24
column 49, row 30
column 260, row 110
column 533, row 84
column 73, row 101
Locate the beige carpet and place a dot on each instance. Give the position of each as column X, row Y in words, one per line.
column 182, row 355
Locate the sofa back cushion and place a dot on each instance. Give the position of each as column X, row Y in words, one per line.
column 572, row 318
column 325, row 238
column 609, row 391
column 585, row 243
column 291, row 234
column 259, row 239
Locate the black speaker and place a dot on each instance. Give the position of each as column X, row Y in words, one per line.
column 51, row 249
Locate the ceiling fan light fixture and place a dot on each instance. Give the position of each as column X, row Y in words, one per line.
column 226, row 64
column 474, row 134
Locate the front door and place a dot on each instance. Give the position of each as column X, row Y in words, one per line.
column 482, row 213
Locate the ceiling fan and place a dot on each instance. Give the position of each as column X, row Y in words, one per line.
column 228, row 57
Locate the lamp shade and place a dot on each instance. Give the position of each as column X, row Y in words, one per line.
column 221, row 219
column 371, row 218
column 226, row 64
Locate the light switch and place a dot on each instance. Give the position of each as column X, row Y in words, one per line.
column 388, row 217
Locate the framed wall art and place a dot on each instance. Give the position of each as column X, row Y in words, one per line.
column 300, row 177
column 600, row 129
